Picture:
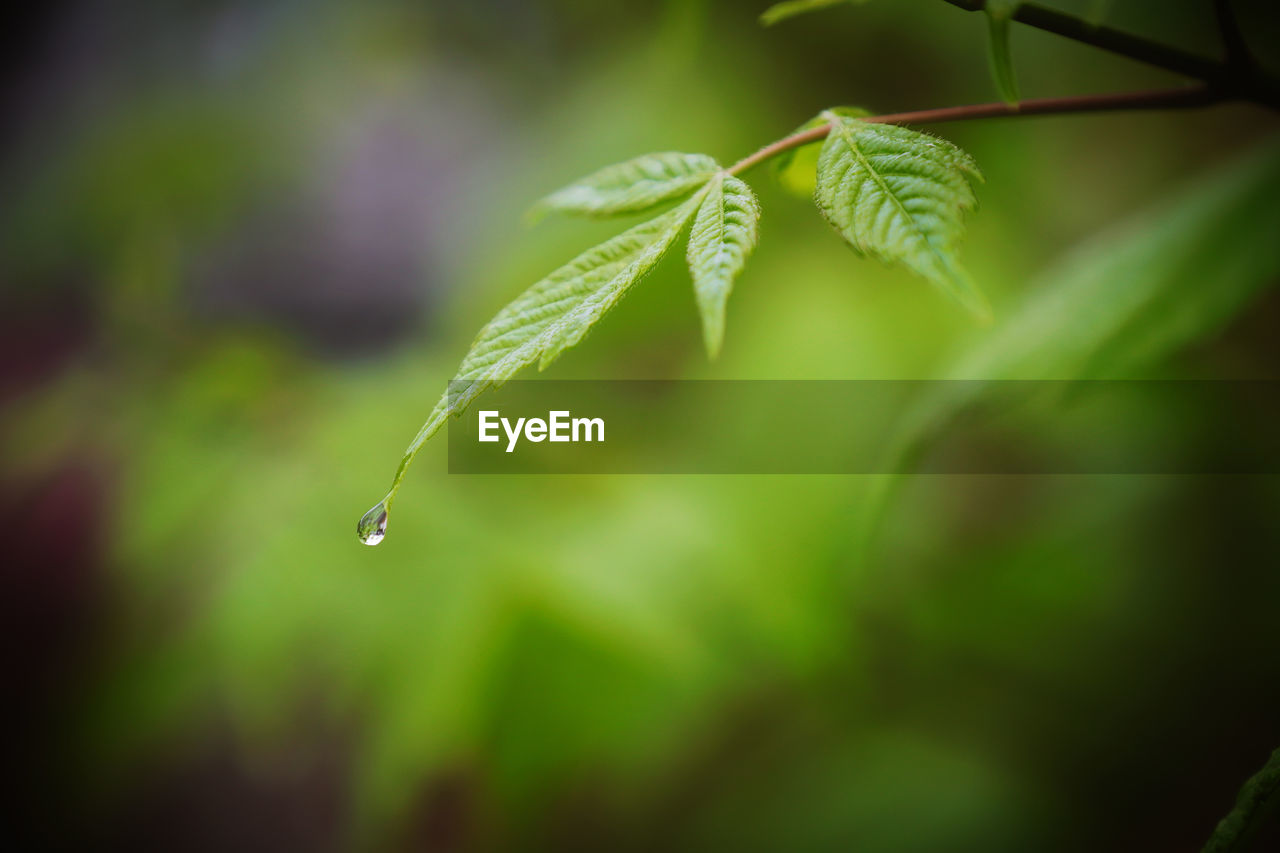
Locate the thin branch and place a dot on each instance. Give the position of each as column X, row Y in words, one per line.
column 1157, row 99
column 1243, row 81
column 1257, row 799
column 1107, row 38
column 1233, row 43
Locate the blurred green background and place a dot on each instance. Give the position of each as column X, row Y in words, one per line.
column 243, row 246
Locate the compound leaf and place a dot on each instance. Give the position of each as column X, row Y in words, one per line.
column 724, row 235
column 900, row 196
column 552, row 316
column 631, row 187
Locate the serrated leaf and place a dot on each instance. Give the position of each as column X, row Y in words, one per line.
column 724, row 235
column 999, row 57
column 791, row 8
column 900, row 196
column 631, row 187
column 552, row 316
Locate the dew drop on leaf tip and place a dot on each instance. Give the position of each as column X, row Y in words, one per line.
column 372, row 528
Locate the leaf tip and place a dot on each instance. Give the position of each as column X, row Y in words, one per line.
column 975, row 302
column 536, row 213
column 713, row 339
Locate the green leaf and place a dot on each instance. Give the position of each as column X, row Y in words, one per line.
column 999, row 14
column 1130, row 298
column 552, row 316
column 631, row 187
column 782, row 161
column 900, row 196
column 1123, row 302
column 796, row 168
column 723, row 236
column 791, row 8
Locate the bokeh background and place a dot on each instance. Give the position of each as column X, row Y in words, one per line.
column 244, row 244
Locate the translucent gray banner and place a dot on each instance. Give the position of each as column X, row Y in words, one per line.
column 869, row 427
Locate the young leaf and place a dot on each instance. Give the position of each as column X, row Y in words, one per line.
column 999, row 14
column 791, row 8
column 723, row 236
column 796, row 168
column 631, row 187
column 782, row 161
column 552, row 316
column 900, row 196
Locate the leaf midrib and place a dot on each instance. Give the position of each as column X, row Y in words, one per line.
column 842, row 129
column 550, row 332
column 721, row 259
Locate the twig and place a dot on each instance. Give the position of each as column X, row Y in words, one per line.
column 1230, row 78
column 1236, row 51
column 1181, row 98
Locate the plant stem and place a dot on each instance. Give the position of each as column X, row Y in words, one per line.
column 1257, row 797
column 1233, row 44
column 1115, row 41
column 1231, row 77
column 1181, row 98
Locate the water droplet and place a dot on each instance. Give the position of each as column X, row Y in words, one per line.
column 373, row 524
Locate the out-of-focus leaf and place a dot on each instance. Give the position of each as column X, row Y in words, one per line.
column 1133, row 296
column 797, row 168
column 791, row 8
column 818, row 798
column 999, row 15
column 1122, row 302
column 782, row 162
